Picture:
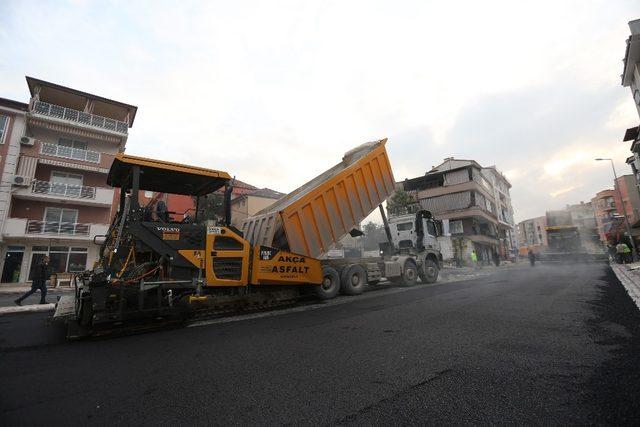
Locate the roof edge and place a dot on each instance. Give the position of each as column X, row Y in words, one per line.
column 81, row 93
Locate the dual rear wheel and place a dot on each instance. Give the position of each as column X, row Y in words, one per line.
column 350, row 282
column 353, row 278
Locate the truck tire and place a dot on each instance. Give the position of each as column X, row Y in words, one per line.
column 429, row 271
column 330, row 284
column 409, row 275
column 353, row 279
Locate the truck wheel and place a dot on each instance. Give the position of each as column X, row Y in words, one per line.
column 409, row 275
column 330, row 284
column 429, row 271
column 353, row 279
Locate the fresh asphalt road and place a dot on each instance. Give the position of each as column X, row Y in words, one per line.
column 543, row 345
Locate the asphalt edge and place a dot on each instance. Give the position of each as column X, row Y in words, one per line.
column 447, row 278
column 627, row 280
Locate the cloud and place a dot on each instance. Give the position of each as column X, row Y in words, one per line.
column 562, row 191
column 275, row 92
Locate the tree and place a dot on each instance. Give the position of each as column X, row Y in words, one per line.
column 402, row 203
column 373, row 235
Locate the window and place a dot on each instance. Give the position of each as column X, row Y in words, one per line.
column 59, row 220
column 455, row 227
column 81, row 145
column 405, row 226
column 73, row 149
column 67, row 184
column 4, row 124
column 58, row 258
column 431, row 228
column 62, row 259
column 77, row 260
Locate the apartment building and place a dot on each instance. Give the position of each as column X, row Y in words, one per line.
column 56, row 200
column 606, row 205
column 609, row 213
column 533, row 232
column 583, row 216
column 631, row 78
column 504, row 210
column 250, row 203
column 464, row 195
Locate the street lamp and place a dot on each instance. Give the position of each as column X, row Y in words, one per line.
column 624, row 210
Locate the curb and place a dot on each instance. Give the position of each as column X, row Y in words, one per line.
column 19, row 291
column 627, row 280
column 33, row 308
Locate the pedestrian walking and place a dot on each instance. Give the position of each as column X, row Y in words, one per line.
column 611, row 250
column 474, row 259
column 532, row 257
column 40, row 275
column 496, row 258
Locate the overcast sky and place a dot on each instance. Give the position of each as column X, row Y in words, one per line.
column 274, row 92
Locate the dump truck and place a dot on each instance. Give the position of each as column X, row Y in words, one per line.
column 155, row 271
column 316, row 216
column 565, row 240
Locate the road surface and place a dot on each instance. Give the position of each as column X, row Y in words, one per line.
column 548, row 345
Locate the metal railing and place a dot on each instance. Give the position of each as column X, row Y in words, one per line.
column 58, row 228
column 69, row 152
column 64, row 190
column 64, row 113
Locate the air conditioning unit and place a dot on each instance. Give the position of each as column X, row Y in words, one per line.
column 28, row 141
column 21, row 181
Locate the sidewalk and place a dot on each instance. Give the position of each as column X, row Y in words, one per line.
column 629, row 276
column 11, row 291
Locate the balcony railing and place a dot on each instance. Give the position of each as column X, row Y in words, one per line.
column 58, row 228
column 63, row 190
column 64, row 113
column 56, row 150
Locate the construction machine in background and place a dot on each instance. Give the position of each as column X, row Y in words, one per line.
column 154, row 271
column 565, row 240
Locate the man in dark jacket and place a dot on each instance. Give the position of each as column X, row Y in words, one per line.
column 40, row 277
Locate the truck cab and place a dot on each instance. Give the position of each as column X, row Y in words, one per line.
column 414, row 232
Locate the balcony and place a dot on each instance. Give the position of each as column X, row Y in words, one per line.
column 66, row 193
column 63, row 152
column 63, row 190
column 26, row 228
column 57, row 228
column 79, row 117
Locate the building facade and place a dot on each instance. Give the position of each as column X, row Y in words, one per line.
column 504, row 210
column 532, row 232
column 631, row 79
column 608, row 218
column 464, row 195
column 609, row 212
column 250, row 203
column 58, row 154
column 583, row 216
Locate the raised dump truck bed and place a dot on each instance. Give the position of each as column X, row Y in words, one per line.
column 314, row 217
column 318, row 214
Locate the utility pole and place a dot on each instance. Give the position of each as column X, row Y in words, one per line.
column 624, row 210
